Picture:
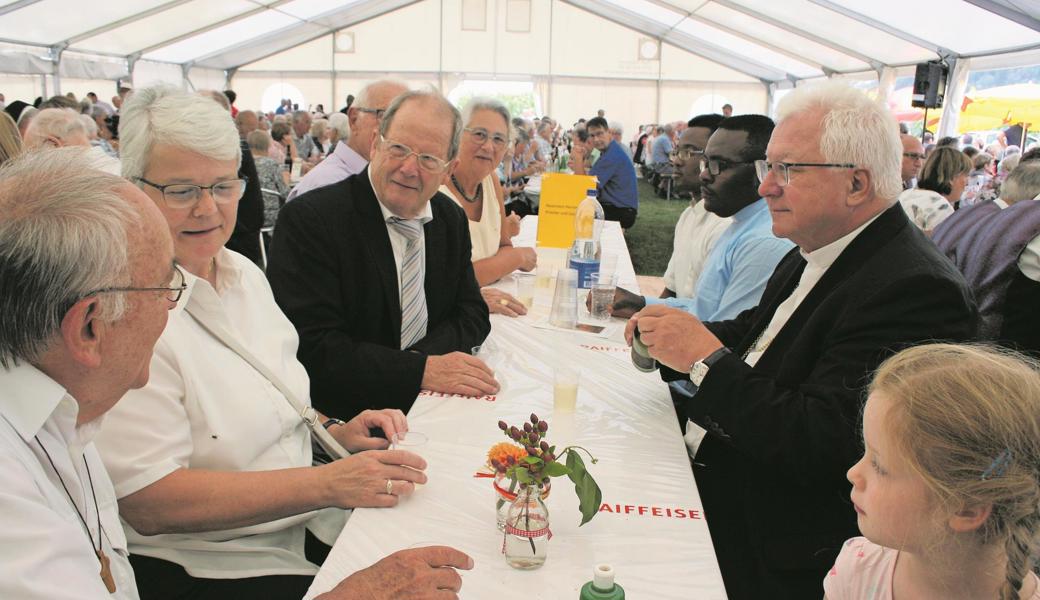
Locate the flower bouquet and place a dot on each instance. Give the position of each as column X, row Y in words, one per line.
column 529, row 462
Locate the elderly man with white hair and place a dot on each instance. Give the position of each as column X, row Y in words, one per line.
column 352, row 157
column 60, row 127
column 781, row 385
column 86, row 282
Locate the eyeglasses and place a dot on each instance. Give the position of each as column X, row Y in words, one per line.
column 427, row 162
column 186, row 195
column 480, row 136
column 173, row 293
column 684, row 153
column 913, row 155
column 378, row 112
column 782, row 170
column 718, row 165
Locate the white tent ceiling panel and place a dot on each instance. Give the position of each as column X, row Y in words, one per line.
column 828, row 24
column 166, row 25
column 524, row 52
column 309, row 9
column 748, row 49
column 942, row 22
column 253, row 48
column 379, row 42
column 680, row 65
column 207, row 42
column 573, row 55
column 460, row 45
column 207, row 79
column 315, row 55
column 778, row 37
column 50, row 22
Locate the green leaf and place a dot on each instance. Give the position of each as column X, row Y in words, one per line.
column 524, row 476
column 531, row 460
column 589, row 495
column 555, row 469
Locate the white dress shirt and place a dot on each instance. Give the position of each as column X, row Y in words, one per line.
column 695, row 235
column 205, row 407
column 45, row 552
column 1029, row 260
column 398, row 242
column 818, row 261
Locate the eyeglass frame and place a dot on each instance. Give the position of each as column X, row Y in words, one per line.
column 444, row 164
column 786, row 179
column 179, row 290
column 378, row 112
column 706, row 164
column 201, row 188
column 914, row 155
column 474, row 132
column 674, row 154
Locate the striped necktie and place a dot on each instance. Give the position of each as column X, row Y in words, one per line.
column 413, row 294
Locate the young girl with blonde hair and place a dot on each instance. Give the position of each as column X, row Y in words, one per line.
column 946, row 493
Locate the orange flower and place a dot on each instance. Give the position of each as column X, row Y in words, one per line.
column 501, row 450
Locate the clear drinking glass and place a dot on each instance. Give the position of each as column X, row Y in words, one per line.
column 602, row 291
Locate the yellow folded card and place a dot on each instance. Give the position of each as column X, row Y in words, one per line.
column 561, row 194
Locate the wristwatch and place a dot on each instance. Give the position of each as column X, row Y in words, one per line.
column 331, row 422
column 699, row 370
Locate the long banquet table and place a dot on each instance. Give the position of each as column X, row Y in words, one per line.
column 650, row 527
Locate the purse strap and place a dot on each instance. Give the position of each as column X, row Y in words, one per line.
column 306, row 411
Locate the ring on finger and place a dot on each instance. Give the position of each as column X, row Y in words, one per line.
column 503, row 302
column 389, row 487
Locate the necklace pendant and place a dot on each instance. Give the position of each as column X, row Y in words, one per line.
column 106, row 572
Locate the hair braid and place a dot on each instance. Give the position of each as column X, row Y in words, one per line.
column 1019, row 544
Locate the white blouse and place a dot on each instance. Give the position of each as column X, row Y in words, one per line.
column 485, row 234
column 207, row 408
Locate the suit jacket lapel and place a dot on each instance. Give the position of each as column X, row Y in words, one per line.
column 865, row 245
column 372, row 229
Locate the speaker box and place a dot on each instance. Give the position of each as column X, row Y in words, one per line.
column 929, row 85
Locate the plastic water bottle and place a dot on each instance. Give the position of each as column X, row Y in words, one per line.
column 585, row 252
column 602, row 586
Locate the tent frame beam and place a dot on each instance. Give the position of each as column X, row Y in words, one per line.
column 885, row 27
column 1007, row 12
column 871, row 61
column 124, row 21
column 15, row 6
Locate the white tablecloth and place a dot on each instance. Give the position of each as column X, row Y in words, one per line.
column 650, row 528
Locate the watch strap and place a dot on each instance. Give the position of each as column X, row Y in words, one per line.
column 710, row 360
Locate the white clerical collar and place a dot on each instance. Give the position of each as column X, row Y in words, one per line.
column 1001, row 203
column 823, row 258
column 425, row 216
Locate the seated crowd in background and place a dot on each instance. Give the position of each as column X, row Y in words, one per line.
column 810, row 273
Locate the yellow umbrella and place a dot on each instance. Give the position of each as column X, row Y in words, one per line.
column 998, row 107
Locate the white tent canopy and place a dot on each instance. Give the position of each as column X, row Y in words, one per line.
column 640, row 60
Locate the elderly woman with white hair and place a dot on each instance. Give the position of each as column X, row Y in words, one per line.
column 210, row 461
column 474, row 186
column 61, row 127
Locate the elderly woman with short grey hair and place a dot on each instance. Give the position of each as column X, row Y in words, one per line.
column 210, row 461
column 474, row 186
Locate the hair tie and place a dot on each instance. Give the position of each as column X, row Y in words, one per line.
column 999, row 466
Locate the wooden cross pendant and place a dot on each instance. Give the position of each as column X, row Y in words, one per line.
column 106, row 572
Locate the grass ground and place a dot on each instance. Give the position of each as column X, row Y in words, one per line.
column 650, row 239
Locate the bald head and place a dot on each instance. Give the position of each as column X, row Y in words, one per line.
column 913, row 157
column 364, row 122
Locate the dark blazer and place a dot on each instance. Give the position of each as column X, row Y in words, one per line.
column 245, row 239
column 332, row 272
column 782, row 434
